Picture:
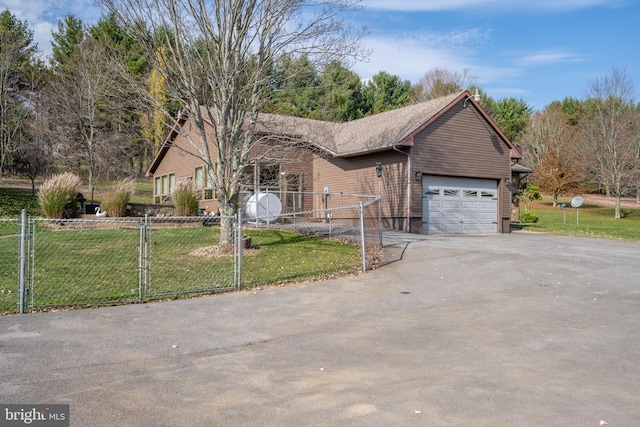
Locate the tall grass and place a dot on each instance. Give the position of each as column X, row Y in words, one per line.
column 116, row 201
column 185, row 198
column 58, row 195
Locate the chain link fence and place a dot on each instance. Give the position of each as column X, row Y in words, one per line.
column 9, row 264
column 350, row 217
column 47, row 264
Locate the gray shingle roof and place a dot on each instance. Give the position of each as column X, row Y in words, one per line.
column 384, row 130
column 373, row 133
column 369, row 134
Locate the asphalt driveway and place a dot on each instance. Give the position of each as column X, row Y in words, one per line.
column 518, row 330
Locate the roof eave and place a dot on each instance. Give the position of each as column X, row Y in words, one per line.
column 175, row 130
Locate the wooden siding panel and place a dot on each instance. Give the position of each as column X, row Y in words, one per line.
column 461, row 143
column 182, row 158
column 357, row 175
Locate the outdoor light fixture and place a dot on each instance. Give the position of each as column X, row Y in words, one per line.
column 476, row 97
column 418, row 176
column 507, row 182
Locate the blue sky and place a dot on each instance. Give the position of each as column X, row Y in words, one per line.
column 537, row 50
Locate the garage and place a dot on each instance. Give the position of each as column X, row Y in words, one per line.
column 452, row 205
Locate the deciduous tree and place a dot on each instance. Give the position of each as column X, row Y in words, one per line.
column 84, row 107
column 219, row 54
column 441, row 81
column 609, row 125
column 550, row 147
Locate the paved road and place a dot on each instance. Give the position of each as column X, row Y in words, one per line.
column 517, row 330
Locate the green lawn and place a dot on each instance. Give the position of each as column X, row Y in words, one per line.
column 592, row 221
column 13, row 200
column 84, row 267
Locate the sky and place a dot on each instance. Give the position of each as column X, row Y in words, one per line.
column 536, row 50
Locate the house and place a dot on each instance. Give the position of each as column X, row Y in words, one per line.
column 444, row 166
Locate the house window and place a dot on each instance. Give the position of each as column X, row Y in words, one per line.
column 163, row 187
column 204, row 181
column 486, row 194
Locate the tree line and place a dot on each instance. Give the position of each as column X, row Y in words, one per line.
column 103, row 102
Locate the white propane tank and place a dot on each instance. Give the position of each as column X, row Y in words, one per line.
column 263, row 207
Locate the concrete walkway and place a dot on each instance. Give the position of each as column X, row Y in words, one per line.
column 517, row 330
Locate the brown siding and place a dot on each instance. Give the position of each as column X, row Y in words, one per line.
column 357, row 175
column 461, row 143
column 182, row 158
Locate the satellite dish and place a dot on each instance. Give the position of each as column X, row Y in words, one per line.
column 263, row 206
column 577, row 201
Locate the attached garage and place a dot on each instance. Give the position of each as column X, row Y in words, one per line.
column 452, row 205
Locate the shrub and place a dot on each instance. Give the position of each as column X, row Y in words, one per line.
column 529, row 218
column 58, row 195
column 116, row 201
column 185, row 198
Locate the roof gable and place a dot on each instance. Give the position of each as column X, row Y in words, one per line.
column 390, row 128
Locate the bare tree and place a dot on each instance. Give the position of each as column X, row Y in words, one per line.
column 216, row 61
column 441, row 81
column 608, row 129
column 34, row 155
column 83, row 107
column 550, row 147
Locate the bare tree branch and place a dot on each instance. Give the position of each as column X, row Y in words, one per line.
column 217, row 62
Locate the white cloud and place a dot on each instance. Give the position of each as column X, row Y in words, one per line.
column 549, row 57
column 42, row 16
column 440, row 5
column 411, row 55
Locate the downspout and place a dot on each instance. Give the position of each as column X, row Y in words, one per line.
column 407, row 227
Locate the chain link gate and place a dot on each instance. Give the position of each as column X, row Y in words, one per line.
column 101, row 264
column 183, row 256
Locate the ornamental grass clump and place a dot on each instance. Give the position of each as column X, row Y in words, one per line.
column 58, row 196
column 116, row 201
column 185, row 198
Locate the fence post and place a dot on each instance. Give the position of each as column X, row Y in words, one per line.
column 362, row 239
column 142, row 258
column 23, row 238
column 380, row 219
column 240, row 245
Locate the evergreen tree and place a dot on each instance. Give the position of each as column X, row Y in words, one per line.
column 386, row 92
column 341, row 96
column 17, row 65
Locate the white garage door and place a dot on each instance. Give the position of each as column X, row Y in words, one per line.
column 459, row 205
